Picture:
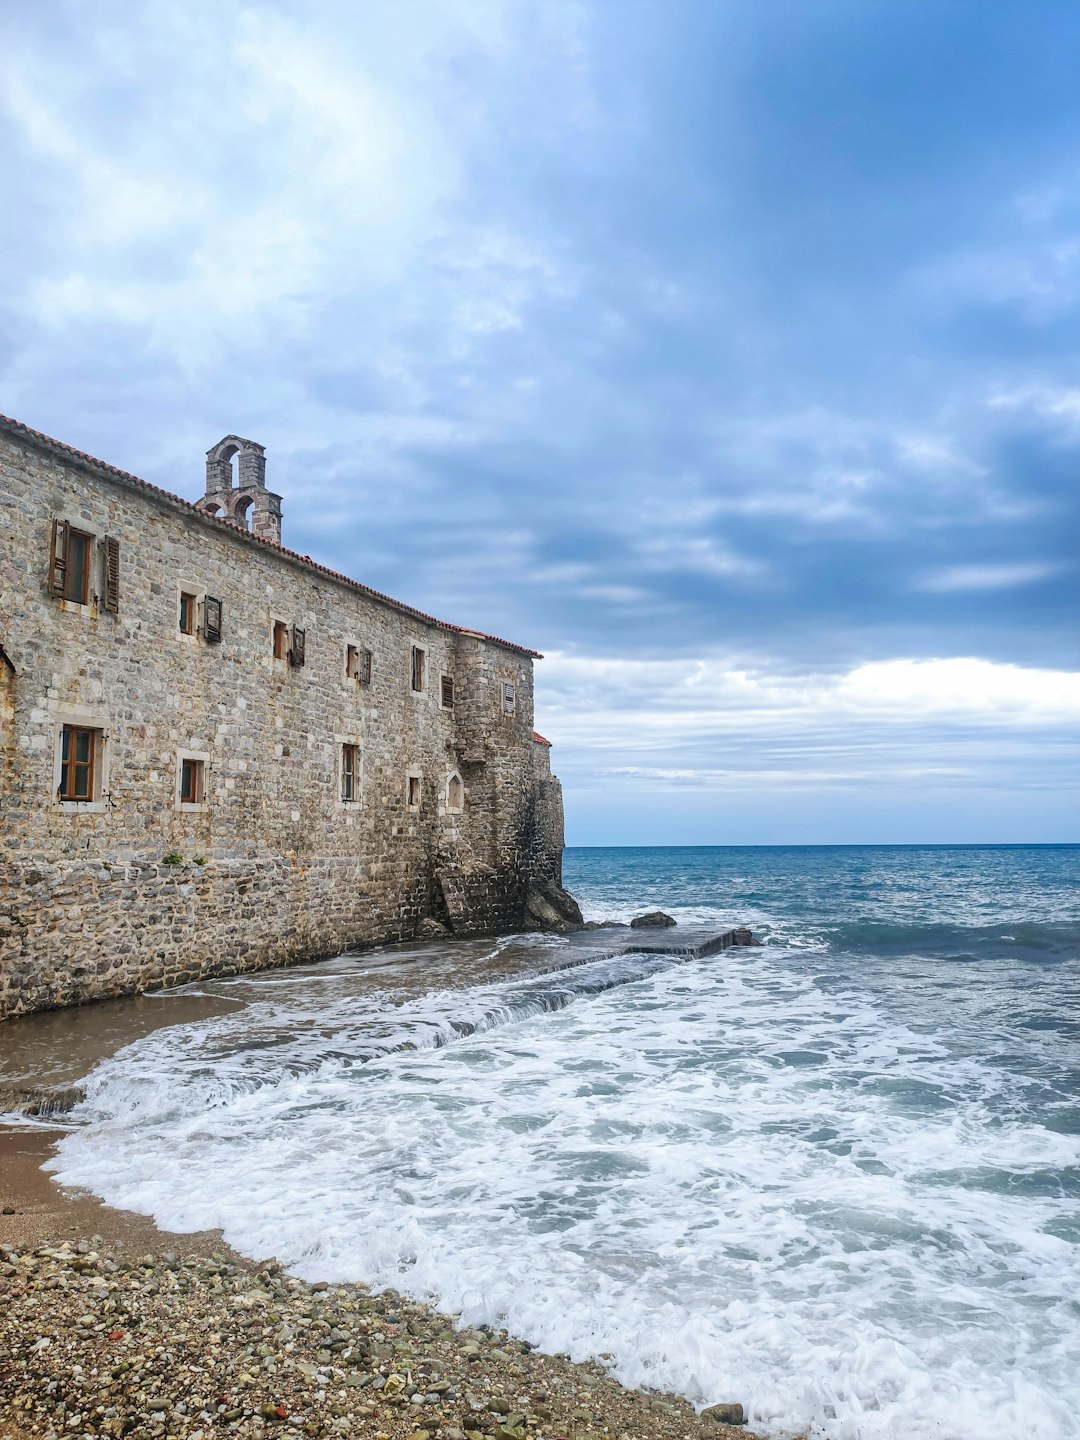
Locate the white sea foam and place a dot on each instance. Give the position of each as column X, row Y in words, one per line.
column 740, row 1177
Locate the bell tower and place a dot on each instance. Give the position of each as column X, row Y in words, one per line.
column 243, row 498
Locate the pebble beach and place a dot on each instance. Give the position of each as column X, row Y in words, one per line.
column 98, row 1341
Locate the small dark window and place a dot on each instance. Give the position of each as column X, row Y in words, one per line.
column 191, row 782
column 414, row 791
column 69, row 563
column 509, row 699
column 187, row 614
column 350, row 770
column 281, row 640
column 78, row 763
column 211, row 626
column 417, row 668
column 447, row 695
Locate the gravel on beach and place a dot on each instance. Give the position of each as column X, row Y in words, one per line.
column 97, row 1342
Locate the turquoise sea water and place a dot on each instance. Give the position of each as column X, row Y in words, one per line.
column 836, row 1177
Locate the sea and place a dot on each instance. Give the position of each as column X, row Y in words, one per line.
column 835, row 1177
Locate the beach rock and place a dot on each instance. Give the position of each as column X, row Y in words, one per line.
column 729, row 1414
column 431, row 929
column 652, row 920
column 550, row 907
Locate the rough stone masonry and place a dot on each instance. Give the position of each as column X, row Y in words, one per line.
column 217, row 755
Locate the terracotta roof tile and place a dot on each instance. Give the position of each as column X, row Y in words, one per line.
column 45, row 442
column 540, row 740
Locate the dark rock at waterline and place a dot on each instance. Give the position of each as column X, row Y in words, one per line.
column 431, row 929
column 730, row 1414
column 605, row 925
column 653, row 920
column 550, row 907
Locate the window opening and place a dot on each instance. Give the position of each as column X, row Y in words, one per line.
column 350, row 769
column 414, row 791
column 78, row 763
column 417, row 668
column 281, row 640
column 69, row 563
column 191, row 782
column 187, row 614
column 455, row 793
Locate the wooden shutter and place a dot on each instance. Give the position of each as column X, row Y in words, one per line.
column 296, row 653
column 448, row 692
column 365, row 667
column 58, row 558
column 211, row 627
column 110, row 575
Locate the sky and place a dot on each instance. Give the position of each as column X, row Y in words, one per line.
column 726, row 352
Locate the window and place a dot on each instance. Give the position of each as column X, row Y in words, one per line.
column 509, row 699
column 79, row 761
column 455, row 793
column 188, row 607
column 414, row 792
column 298, row 648
column 417, row 668
column 350, row 773
column 69, row 563
column 191, row 781
column 446, row 696
column 281, row 640
column 191, row 772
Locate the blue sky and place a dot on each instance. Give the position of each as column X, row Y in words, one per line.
column 727, row 352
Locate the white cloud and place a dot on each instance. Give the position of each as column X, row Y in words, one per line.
column 958, row 578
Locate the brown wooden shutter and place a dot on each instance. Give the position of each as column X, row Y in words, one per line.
column 448, row 692
column 365, row 667
column 296, row 653
column 110, row 567
column 211, row 628
column 58, row 558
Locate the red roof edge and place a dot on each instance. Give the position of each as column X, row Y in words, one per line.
column 540, row 740
column 46, row 442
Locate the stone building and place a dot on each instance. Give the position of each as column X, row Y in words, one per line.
column 217, row 755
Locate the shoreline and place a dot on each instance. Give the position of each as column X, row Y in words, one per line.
column 207, row 1299
column 176, row 1315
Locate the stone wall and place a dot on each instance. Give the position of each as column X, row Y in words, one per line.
column 286, row 868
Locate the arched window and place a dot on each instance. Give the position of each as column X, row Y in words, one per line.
column 212, row 509
column 455, row 793
column 242, row 511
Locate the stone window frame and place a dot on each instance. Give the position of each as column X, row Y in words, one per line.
column 358, row 663
column 414, row 777
column 202, row 759
column 194, row 635
column 83, row 718
column 451, row 808
column 96, row 580
column 351, row 742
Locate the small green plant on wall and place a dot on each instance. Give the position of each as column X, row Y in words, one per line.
column 172, row 858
